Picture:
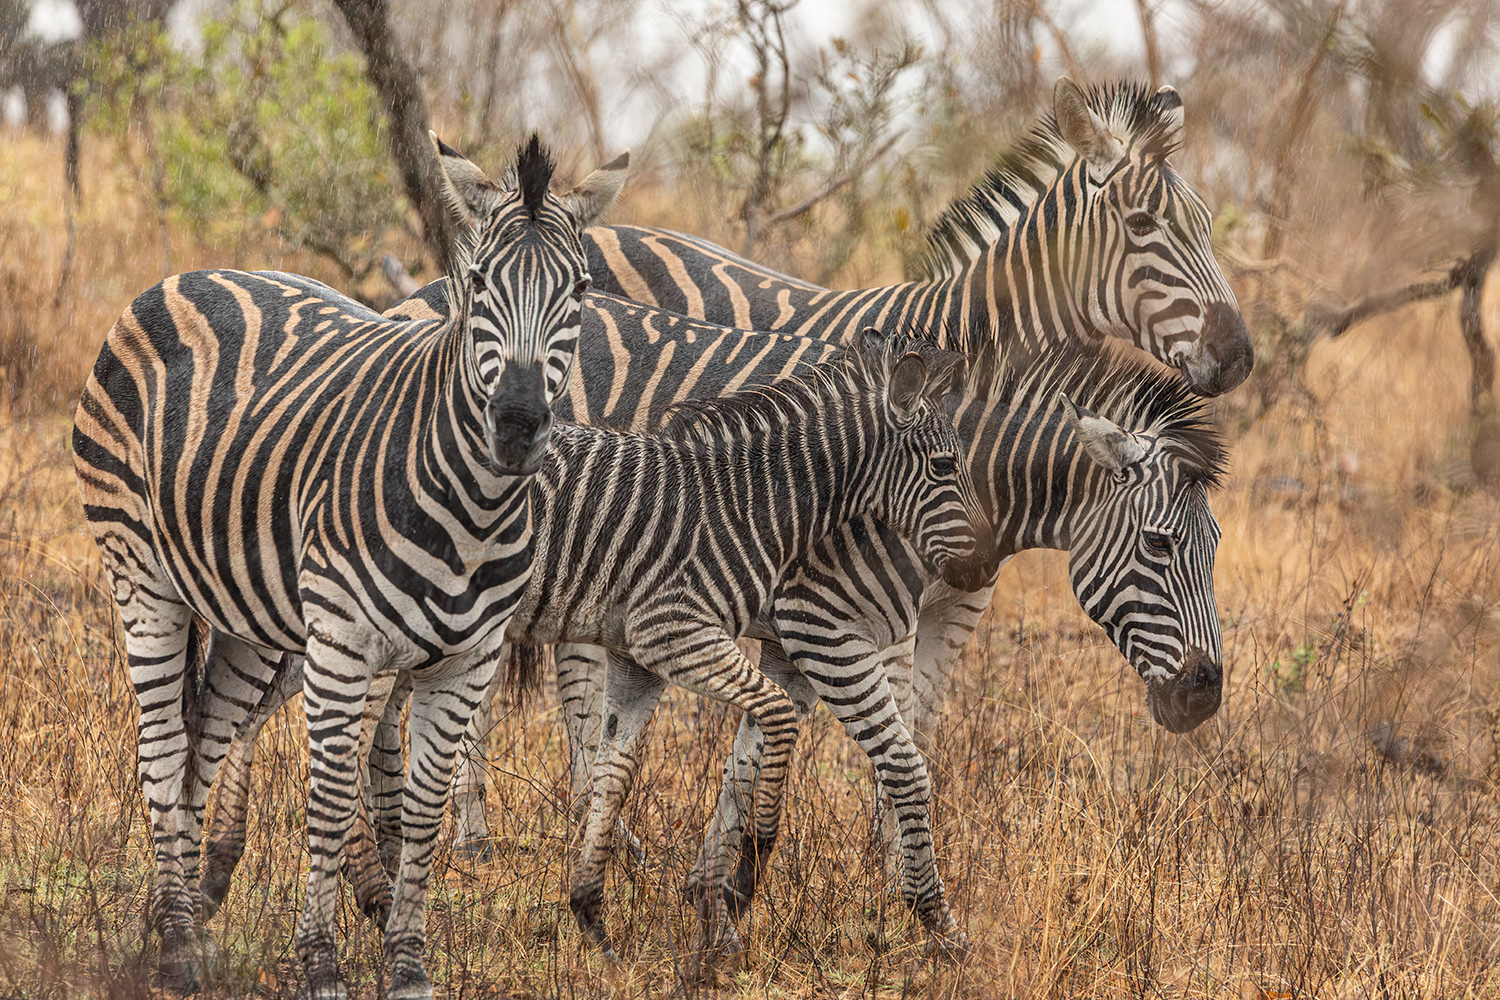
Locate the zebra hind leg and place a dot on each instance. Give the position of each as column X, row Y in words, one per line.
column 225, row 843
column 630, row 698
column 580, row 688
column 161, row 646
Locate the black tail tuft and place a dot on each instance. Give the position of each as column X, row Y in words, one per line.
column 524, row 671
column 534, row 168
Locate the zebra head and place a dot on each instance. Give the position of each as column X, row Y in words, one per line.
column 518, row 288
column 1143, row 267
column 1143, row 542
column 928, row 493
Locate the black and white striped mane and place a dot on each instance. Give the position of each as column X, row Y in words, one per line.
column 717, row 420
column 1136, row 394
column 1129, row 109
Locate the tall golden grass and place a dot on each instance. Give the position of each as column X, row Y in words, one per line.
column 1331, row 833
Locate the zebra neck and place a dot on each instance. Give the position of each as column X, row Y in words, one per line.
column 1024, row 286
column 801, row 480
column 451, row 425
column 1041, row 482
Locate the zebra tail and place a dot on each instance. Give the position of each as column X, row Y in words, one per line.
column 193, row 678
column 523, row 672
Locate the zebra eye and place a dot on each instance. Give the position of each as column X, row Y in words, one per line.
column 582, row 285
column 477, row 280
column 1158, row 542
column 944, row 465
column 1141, row 223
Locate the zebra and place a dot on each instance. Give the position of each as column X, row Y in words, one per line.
column 666, row 548
column 1081, row 231
column 309, row 477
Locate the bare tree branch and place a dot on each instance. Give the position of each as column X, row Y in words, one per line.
column 835, row 184
column 1299, row 119
column 1148, row 37
column 1335, row 320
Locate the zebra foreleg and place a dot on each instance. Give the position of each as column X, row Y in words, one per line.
column 859, row 695
column 712, row 665
column 363, row 863
column 630, row 697
column 725, row 835
column 442, row 705
column 385, row 771
column 471, row 826
column 921, row 680
column 337, row 675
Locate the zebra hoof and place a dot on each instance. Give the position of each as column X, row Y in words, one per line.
column 631, row 852
column 410, row 986
column 724, row 956
column 374, row 904
column 951, row 948
column 477, row 850
column 217, row 872
column 333, row 989
column 189, row 960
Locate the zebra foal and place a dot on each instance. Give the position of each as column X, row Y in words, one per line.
column 314, row 479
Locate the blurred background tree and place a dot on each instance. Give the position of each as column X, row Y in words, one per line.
column 1347, row 146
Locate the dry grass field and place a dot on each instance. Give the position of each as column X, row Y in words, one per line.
column 1334, row 832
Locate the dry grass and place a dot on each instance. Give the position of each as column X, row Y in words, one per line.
column 1278, row 851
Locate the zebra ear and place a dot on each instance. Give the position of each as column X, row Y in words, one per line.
column 1084, row 130
column 597, row 192
column 1166, row 107
column 1103, row 439
column 470, row 193
column 870, row 346
column 904, row 387
column 949, row 370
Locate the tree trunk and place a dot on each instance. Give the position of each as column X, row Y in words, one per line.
column 1484, row 441
column 396, row 81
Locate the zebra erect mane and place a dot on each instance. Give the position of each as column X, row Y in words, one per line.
column 534, row 167
column 713, row 420
column 1129, row 109
column 1137, row 394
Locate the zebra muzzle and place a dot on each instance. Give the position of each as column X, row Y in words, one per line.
column 976, row 570
column 1224, row 354
column 518, row 422
column 1190, row 697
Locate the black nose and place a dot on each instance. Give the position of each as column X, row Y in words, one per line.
column 1191, row 697
column 518, row 421
column 1227, row 355
column 976, row 570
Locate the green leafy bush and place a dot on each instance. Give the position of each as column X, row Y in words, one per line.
column 269, row 126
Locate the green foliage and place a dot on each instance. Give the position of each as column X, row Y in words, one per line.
column 269, row 126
